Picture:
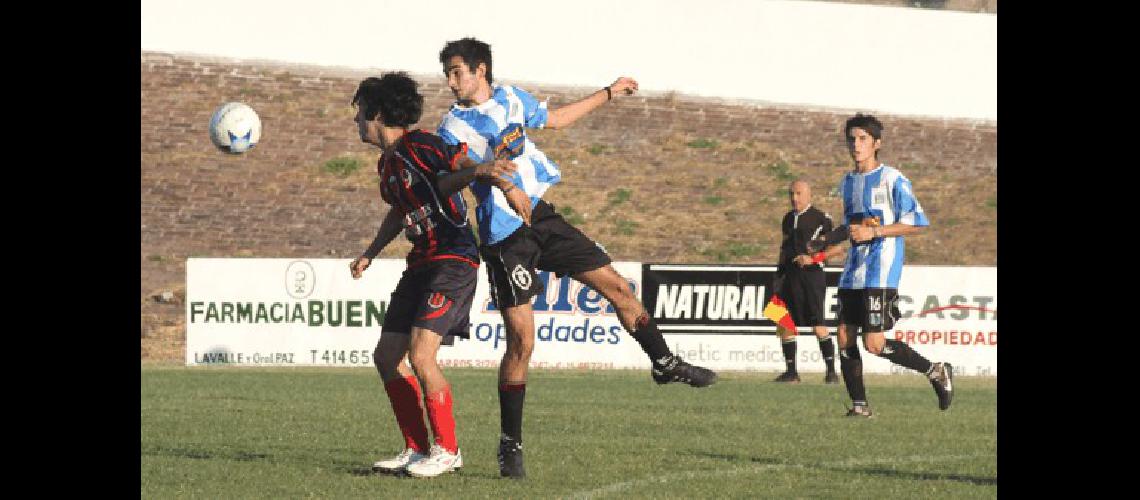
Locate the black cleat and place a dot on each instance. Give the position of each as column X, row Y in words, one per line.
column 860, row 411
column 675, row 369
column 831, row 378
column 791, row 377
column 942, row 377
column 511, row 458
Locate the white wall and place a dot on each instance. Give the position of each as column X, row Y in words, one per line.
column 881, row 59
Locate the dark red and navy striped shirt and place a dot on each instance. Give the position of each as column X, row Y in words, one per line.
column 436, row 225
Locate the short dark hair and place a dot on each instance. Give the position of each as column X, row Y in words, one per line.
column 394, row 96
column 866, row 122
column 472, row 52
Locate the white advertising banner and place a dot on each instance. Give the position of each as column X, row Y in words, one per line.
column 948, row 314
column 310, row 312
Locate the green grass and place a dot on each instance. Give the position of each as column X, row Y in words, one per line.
column 626, row 227
column 713, row 200
column 782, row 171
column 341, row 166
column 597, row 149
column 702, row 143
column 314, row 432
column 572, row 217
column 619, row 196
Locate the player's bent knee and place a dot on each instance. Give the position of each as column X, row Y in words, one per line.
column 421, row 361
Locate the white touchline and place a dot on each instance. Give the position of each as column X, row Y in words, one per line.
column 616, row 487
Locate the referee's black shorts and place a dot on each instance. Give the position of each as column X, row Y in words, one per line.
column 804, row 291
column 550, row 244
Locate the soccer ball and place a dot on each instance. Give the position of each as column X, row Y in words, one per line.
column 235, row 128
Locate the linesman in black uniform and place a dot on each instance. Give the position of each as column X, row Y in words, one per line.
column 800, row 279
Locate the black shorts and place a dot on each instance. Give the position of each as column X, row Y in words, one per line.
column 804, row 293
column 436, row 297
column 873, row 309
column 549, row 244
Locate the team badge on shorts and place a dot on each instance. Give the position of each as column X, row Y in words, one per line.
column 521, row 277
column 875, row 318
column 436, row 300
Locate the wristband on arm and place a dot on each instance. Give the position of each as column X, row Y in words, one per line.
column 818, row 257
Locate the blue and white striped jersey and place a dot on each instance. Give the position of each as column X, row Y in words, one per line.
column 497, row 129
column 886, row 194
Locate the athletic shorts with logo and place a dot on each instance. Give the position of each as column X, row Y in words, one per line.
column 437, row 297
column 549, row 244
column 804, row 292
column 873, row 309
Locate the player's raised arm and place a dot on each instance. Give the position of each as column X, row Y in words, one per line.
column 570, row 113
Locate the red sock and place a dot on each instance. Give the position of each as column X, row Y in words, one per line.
column 442, row 419
column 404, row 393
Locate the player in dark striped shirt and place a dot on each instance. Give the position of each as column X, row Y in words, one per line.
column 421, row 178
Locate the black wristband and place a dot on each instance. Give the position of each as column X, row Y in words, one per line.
column 609, row 94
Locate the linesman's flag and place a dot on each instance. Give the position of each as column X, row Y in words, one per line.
column 777, row 311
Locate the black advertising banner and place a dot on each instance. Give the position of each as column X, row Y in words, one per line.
column 708, row 299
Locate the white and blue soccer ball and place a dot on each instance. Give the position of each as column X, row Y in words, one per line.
column 235, row 127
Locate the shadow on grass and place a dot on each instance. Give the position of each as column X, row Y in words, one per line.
column 740, row 458
column 921, row 476
column 240, row 456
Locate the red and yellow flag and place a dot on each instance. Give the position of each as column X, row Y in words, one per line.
column 777, row 311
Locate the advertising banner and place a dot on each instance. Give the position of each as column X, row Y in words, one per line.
column 712, row 315
column 294, row 312
column 310, row 312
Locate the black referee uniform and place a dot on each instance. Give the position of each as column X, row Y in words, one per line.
column 802, row 288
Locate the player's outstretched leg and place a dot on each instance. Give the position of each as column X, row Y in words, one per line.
column 941, row 375
column 667, row 367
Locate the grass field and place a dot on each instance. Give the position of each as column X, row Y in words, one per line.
column 314, row 432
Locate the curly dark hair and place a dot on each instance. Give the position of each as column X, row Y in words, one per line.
column 471, row 50
column 394, row 96
column 866, row 122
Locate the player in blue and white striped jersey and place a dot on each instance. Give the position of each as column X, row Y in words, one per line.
column 879, row 209
column 492, row 120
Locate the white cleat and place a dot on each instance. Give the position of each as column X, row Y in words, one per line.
column 398, row 463
column 438, row 462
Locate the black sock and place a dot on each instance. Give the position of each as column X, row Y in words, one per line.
column 651, row 341
column 852, row 366
column 511, row 398
column 827, row 349
column 901, row 354
column 789, row 347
